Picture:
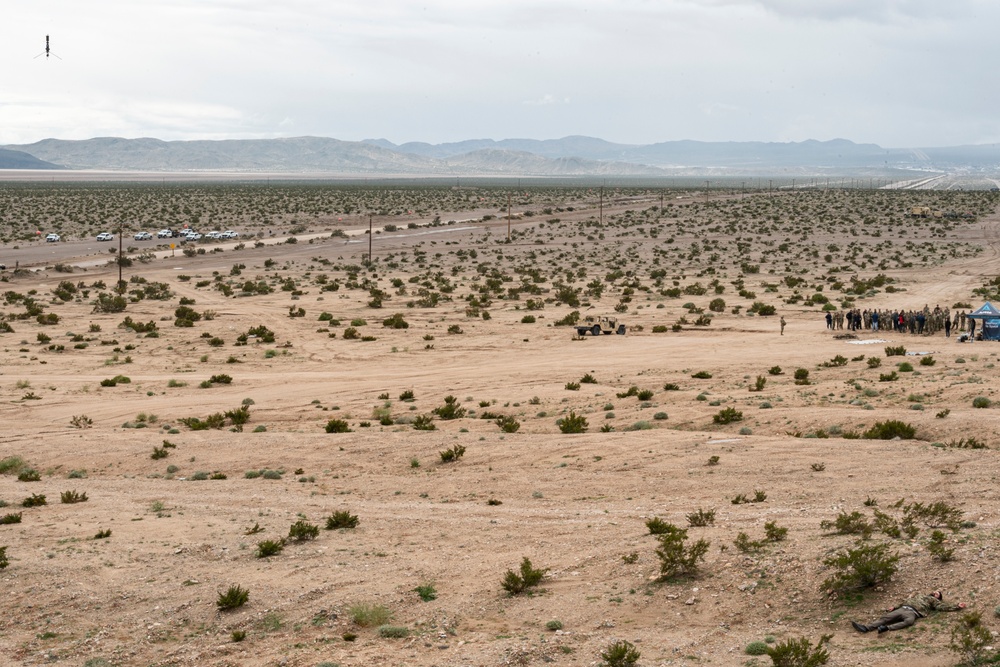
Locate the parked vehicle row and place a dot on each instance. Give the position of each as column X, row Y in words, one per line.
column 187, row 234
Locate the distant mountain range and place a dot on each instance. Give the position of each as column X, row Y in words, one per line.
column 567, row 157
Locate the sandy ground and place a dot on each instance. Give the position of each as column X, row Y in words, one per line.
column 575, row 505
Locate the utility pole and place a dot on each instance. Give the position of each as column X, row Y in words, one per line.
column 369, row 240
column 602, row 205
column 508, row 217
column 121, row 285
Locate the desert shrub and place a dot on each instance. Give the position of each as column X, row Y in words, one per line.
column 981, row 402
column 395, row 322
column 351, row 333
column 70, row 497
column 745, row 545
column 702, row 375
column 407, row 395
column 905, row 367
column 8, row 519
column 661, row 416
column 801, row 376
column 727, row 416
column 774, row 370
column 268, row 548
column 427, row 592
column 588, row 379
column 337, row 426
column 970, row 638
column 4, row 562
column 393, row 631
column 888, row 377
column 215, row 420
column 701, row 518
column 645, row 394
column 528, row 576
column 658, row 526
column 927, row 360
column 837, row 361
column 507, row 424
column 889, row 430
column 159, row 453
column 423, row 423
column 620, row 654
column 301, row 531
column 854, row 523
column 676, row 558
column 455, row 329
column 572, row 423
column 717, row 305
column 572, row 386
column 799, row 652
column 896, row 351
column 232, row 598
column 103, row 534
column 774, row 533
column 967, row 443
column 874, row 362
column 341, row 519
column 863, row 566
column 934, row 515
column 759, row 384
column 756, row 648
column 671, row 386
column 369, row 615
column 29, row 475
column 936, row 547
column 528, row 319
column 11, row 464
column 451, row 409
column 453, row 453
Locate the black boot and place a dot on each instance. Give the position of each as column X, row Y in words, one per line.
column 859, row 627
column 883, row 628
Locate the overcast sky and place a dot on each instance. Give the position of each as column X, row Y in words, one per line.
column 899, row 73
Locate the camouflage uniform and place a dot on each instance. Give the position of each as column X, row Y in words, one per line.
column 907, row 614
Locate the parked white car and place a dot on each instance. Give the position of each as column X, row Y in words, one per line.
column 164, row 234
column 230, row 234
column 193, row 236
column 105, row 236
column 52, row 238
column 214, row 235
column 143, row 236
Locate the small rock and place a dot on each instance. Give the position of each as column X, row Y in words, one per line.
column 689, row 601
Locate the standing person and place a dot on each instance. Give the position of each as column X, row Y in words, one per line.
column 782, row 325
column 907, row 613
column 874, row 317
column 972, row 330
column 947, row 327
column 829, row 320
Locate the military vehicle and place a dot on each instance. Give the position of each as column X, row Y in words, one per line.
column 605, row 324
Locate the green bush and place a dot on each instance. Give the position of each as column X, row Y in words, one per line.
column 301, row 531
column 676, row 558
column 341, row 519
column 799, row 653
column 337, row 426
column 395, row 322
column 452, row 454
column 507, row 424
column 727, row 416
column 451, row 409
column 572, row 423
column 393, row 631
column 233, row 598
column 874, row 362
column 70, row 497
column 897, row 351
column 701, row 518
column 801, row 376
column 34, row 500
column 4, row 562
column 424, row 423
column 860, row 567
column 427, row 592
column 620, row 654
column 970, row 638
column 369, row 615
column 756, row 648
column 269, row 548
column 981, row 402
column 516, row 583
column 854, row 523
column 890, row 430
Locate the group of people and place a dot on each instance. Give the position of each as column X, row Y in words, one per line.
column 920, row 322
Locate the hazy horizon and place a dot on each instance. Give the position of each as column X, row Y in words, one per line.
column 897, row 73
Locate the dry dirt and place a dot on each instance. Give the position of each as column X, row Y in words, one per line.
column 575, row 505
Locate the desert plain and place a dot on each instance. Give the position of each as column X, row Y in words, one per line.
column 198, row 427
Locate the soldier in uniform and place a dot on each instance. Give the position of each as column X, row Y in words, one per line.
column 907, row 613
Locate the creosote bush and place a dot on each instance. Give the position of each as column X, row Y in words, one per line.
column 727, row 416
column 232, row 598
column 70, row 497
column 301, row 531
column 337, row 426
column 451, row 454
column 799, row 652
column 889, row 430
column 620, row 654
column 860, row 567
column 528, row 576
column 676, row 558
column 572, row 423
column 268, row 548
column 341, row 519
column 369, row 615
